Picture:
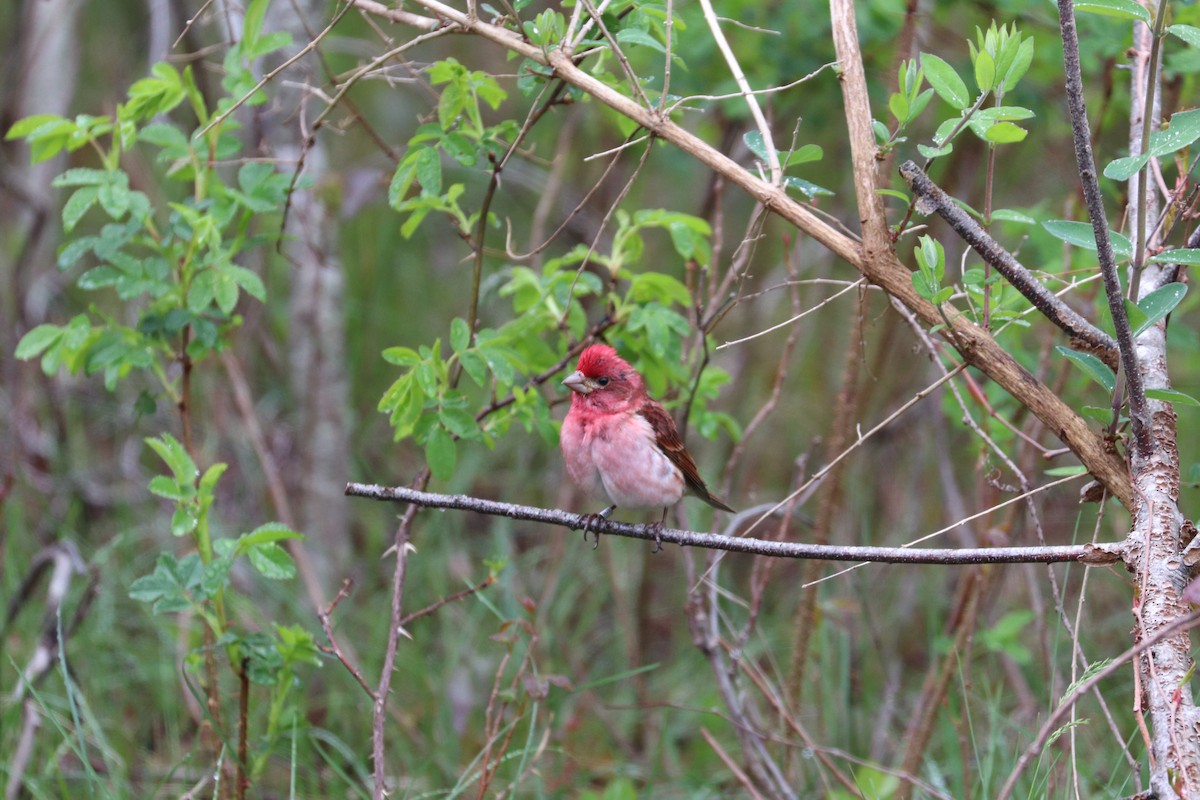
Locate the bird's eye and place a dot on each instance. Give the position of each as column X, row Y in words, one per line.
column 602, row 381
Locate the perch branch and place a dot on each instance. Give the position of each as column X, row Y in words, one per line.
column 1084, row 335
column 1090, row 554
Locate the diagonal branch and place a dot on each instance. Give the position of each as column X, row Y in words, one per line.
column 1085, row 336
column 1089, row 554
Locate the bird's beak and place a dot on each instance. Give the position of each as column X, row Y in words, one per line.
column 576, row 382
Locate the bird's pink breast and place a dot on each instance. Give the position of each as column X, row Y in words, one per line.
column 616, row 456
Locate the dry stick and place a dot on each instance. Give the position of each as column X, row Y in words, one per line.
column 1090, row 554
column 739, row 77
column 730, row 764
column 1084, row 335
column 1179, row 625
column 395, row 631
column 876, row 241
column 325, row 615
column 874, row 261
column 1104, row 251
column 241, row 780
column 750, row 669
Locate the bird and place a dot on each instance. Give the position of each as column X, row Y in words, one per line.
column 621, row 445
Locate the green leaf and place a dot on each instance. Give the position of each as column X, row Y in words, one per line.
column 1012, row 215
column 459, row 422
column 208, row 481
column 37, row 340
column 401, row 356
column 639, row 37
column 77, row 205
column 1122, row 169
column 114, row 198
column 155, row 95
column 460, row 335
column 250, row 283
column 225, row 289
column 272, row 561
column 176, row 457
column 934, row 152
column 1185, row 256
column 1172, row 396
column 82, row 176
column 1189, row 33
column 647, row 287
column 1080, row 234
column 184, row 520
column 28, row 125
column 754, row 141
column 804, row 154
column 171, row 585
column 1122, row 9
column 1095, row 369
column 898, row 105
column 806, row 188
column 440, row 453
column 405, row 400
column 945, row 81
column 985, row 71
column 1063, row 472
column 1137, row 317
column 1182, row 131
column 1020, row 65
column 1005, row 133
column 475, row 366
column 429, row 171
column 165, row 487
column 1159, row 303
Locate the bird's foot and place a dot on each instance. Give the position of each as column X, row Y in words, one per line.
column 591, row 519
column 657, row 528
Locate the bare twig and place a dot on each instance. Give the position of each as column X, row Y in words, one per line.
column 739, row 77
column 327, row 625
column 1089, row 554
column 1095, row 206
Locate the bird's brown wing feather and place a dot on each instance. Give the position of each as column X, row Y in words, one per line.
column 667, row 437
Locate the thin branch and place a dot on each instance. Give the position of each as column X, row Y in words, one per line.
column 270, row 76
column 1084, row 334
column 1090, row 554
column 1104, row 250
column 739, row 77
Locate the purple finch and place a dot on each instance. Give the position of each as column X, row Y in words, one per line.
column 620, row 444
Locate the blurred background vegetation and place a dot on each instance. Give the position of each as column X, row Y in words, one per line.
column 585, row 656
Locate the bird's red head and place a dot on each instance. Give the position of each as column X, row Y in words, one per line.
column 604, row 378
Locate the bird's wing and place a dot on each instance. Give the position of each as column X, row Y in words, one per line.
column 667, row 437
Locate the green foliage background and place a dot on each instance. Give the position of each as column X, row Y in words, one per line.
column 599, row 682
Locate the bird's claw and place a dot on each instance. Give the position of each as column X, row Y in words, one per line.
column 657, row 527
column 591, row 519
